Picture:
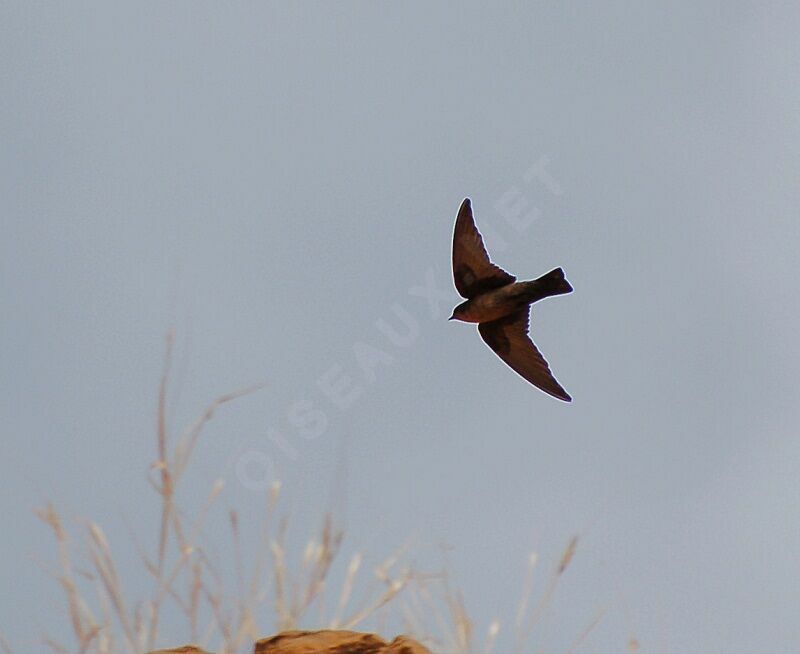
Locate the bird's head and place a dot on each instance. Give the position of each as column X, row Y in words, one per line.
column 460, row 312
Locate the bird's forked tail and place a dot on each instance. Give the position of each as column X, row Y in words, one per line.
column 553, row 283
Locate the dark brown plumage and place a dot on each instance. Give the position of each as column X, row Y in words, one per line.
column 501, row 305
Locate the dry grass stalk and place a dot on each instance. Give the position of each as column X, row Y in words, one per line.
column 585, row 633
column 533, row 618
column 184, row 576
column 491, row 637
column 454, row 625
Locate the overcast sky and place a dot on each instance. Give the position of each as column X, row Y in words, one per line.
column 278, row 182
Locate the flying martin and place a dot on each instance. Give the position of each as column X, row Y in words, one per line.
column 501, row 305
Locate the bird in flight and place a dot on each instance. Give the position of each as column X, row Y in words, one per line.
column 501, row 305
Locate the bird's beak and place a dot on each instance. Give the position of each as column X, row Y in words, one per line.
column 451, row 318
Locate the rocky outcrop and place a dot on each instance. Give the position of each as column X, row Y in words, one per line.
column 335, row 642
column 322, row 642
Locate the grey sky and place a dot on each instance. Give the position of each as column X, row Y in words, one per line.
column 272, row 179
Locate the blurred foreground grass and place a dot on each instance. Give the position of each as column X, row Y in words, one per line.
column 228, row 615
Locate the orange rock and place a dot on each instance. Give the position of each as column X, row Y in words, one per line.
column 321, row 642
column 335, row 642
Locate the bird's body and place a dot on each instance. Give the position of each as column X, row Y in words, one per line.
column 502, row 301
column 500, row 304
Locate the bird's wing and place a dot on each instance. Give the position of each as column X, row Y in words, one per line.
column 473, row 272
column 509, row 339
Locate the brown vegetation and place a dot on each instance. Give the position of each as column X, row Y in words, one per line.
column 273, row 594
